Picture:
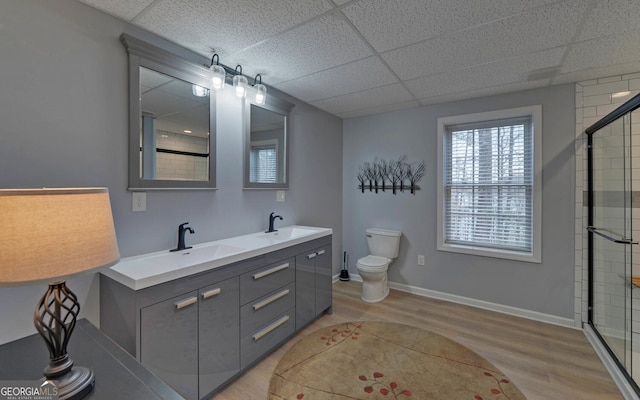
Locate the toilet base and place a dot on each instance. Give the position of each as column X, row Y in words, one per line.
column 376, row 289
column 368, row 298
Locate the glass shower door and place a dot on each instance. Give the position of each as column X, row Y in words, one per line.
column 612, row 240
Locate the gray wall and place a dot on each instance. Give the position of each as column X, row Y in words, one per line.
column 63, row 122
column 546, row 287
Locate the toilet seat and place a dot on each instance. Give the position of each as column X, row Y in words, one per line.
column 373, row 263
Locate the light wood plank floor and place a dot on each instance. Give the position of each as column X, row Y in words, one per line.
column 545, row 361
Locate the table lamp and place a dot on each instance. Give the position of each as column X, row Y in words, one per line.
column 47, row 236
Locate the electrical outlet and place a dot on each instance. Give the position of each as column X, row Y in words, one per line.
column 139, row 200
column 420, row 259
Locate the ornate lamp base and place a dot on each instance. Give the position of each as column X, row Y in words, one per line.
column 55, row 319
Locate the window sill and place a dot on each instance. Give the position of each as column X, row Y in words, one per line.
column 494, row 253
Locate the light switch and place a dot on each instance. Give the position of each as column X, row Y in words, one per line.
column 280, row 195
column 139, row 201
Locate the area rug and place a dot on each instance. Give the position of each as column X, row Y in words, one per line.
column 382, row 360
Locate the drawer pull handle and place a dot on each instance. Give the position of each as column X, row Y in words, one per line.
column 321, row 252
column 270, row 327
column 210, row 293
column 312, row 255
column 270, row 271
column 270, row 300
column 187, row 302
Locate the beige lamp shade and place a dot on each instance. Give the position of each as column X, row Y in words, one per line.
column 54, row 234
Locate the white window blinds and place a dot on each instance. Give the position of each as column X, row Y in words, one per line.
column 263, row 163
column 488, row 184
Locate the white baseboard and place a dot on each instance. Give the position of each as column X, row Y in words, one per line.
column 518, row 312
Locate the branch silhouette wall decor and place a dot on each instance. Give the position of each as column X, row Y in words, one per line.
column 382, row 175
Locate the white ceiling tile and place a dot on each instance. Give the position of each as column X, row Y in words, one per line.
column 371, row 98
column 323, row 43
column 126, row 10
column 226, row 26
column 380, row 109
column 490, row 91
column 611, row 17
column 596, row 73
column 616, row 49
column 356, row 76
column 539, row 29
column 388, row 24
column 486, row 75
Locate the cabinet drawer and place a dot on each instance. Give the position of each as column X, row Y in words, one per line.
column 261, row 281
column 259, row 312
column 260, row 341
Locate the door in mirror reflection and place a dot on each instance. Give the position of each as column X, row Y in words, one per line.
column 267, row 146
column 174, row 130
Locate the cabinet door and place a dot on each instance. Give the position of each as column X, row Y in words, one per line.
column 219, row 334
column 324, row 279
column 305, row 288
column 169, row 342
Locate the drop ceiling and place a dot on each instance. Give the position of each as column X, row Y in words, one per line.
column 362, row 57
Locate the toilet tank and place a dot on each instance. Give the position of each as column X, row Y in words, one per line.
column 383, row 242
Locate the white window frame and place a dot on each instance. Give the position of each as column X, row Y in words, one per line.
column 271, row 143
column 535, row 112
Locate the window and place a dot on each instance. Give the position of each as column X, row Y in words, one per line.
column 489, row 184
column 263, row 162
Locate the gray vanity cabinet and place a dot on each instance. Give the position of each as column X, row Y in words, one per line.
column 200, row 331
column 218, row 332
column 191, row 341
column 313, row 284
column 169, row 342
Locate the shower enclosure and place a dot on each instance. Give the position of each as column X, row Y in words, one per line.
column 613, row 235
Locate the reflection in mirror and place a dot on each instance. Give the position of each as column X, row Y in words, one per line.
column 267, row 146
column 172, row 116
column 174, row 128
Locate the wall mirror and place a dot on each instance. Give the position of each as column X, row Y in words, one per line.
column 266, row 161
column 172, row 138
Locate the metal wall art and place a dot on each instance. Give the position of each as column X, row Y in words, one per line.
column 394, row 175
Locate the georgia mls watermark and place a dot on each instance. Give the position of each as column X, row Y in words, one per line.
column 28, row 390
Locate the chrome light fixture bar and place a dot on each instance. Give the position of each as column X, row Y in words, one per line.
column 261, row 90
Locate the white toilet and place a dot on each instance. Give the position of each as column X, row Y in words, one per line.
column 383, row 245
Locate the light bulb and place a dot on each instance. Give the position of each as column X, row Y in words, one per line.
column 218, row 77
column 240, row 84
column 261, row 93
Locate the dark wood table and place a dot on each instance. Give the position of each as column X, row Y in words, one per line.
column 118, row 374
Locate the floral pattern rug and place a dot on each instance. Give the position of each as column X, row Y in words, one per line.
column 382, row 360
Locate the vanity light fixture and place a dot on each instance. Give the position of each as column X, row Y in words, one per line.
column 218, row 73
column 240, row 83
column 261, row 90
column 199, row 91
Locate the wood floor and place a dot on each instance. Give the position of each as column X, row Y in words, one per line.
column 545, row 361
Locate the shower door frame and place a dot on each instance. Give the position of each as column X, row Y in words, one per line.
column 624, row 109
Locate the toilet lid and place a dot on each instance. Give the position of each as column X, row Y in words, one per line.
column 373, row 261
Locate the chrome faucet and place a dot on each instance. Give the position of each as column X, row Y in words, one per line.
column 181, row 232
column 271, row 219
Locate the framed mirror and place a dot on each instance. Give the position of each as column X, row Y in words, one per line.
column 172, row 120
column 266, row 143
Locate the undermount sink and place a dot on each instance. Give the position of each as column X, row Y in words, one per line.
column 288, row 233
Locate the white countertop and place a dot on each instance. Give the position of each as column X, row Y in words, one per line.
column 142, row 271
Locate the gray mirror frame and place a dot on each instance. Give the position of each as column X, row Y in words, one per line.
column 278, row 106
column 161, row 58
